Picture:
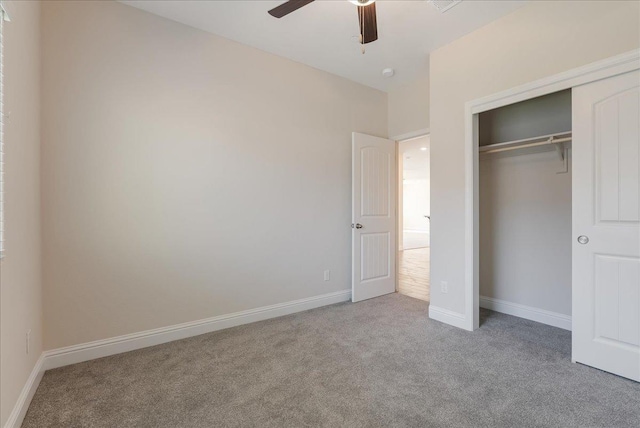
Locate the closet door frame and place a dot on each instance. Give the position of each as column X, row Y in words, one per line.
column 609, row 67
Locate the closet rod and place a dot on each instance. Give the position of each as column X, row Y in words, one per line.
column 544, row 140
column 523, row 146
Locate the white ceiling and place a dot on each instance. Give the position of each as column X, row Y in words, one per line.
column 324, row 33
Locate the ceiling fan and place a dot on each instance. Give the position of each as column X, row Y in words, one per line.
column 366, row 16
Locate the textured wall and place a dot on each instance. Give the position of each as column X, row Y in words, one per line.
column 185, row 175
column 409, row 107
column 20, row 270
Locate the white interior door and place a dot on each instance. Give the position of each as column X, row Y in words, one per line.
column 373, row 217
column 606, row 219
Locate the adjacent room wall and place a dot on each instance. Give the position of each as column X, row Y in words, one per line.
column 544, row 38
column 185, row 175
column 20, row 279
column 409, row 107
column 413, row 193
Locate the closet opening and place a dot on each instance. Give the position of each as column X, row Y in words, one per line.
column 524, row 210
column 414, row 217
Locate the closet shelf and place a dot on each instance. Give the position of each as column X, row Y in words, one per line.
column 544, row 140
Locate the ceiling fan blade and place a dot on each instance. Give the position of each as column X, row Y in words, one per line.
column 368, row 23
column 288, row 7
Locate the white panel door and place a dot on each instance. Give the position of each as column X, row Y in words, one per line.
column 606, row 220
column 373, row 217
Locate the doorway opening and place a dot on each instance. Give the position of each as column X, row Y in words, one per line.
column 414, row 217
column 524, row 202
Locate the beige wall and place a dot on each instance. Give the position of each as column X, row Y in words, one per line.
column 186, row 176
column 20, row 285
column 538, row 40
column 408, row 108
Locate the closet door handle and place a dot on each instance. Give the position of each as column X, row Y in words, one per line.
column 582, row 239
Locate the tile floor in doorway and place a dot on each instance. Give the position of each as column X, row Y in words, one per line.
column 413, row 278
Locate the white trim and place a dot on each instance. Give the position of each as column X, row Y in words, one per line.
column 411, row 135
column 129, row 342
column 26, row 395
column 579, row 76
column 4, row 17
column 103, row 348
column 5, row 12
column 527, row 312
column 448, row 317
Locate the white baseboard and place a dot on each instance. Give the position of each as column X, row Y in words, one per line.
column 527, row 312
column 116, row 345
column 103, row 348
column 448, row 317
column 26, row 395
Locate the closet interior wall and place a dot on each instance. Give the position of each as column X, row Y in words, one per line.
column 525, row 207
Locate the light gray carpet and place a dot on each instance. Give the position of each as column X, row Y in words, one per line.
column 376, row 363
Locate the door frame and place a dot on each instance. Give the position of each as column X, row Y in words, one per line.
column 401, row 139
column 609, row 67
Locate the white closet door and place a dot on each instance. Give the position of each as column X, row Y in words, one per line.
column 374, row 217
column 606, row 219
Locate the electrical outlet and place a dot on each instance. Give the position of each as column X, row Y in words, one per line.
column 444, row 286
column 28, row 341
column 327, row 275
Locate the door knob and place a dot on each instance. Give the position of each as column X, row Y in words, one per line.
column 582, row 239
column 357, row 226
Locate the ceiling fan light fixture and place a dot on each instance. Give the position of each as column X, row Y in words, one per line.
column 362, row 2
